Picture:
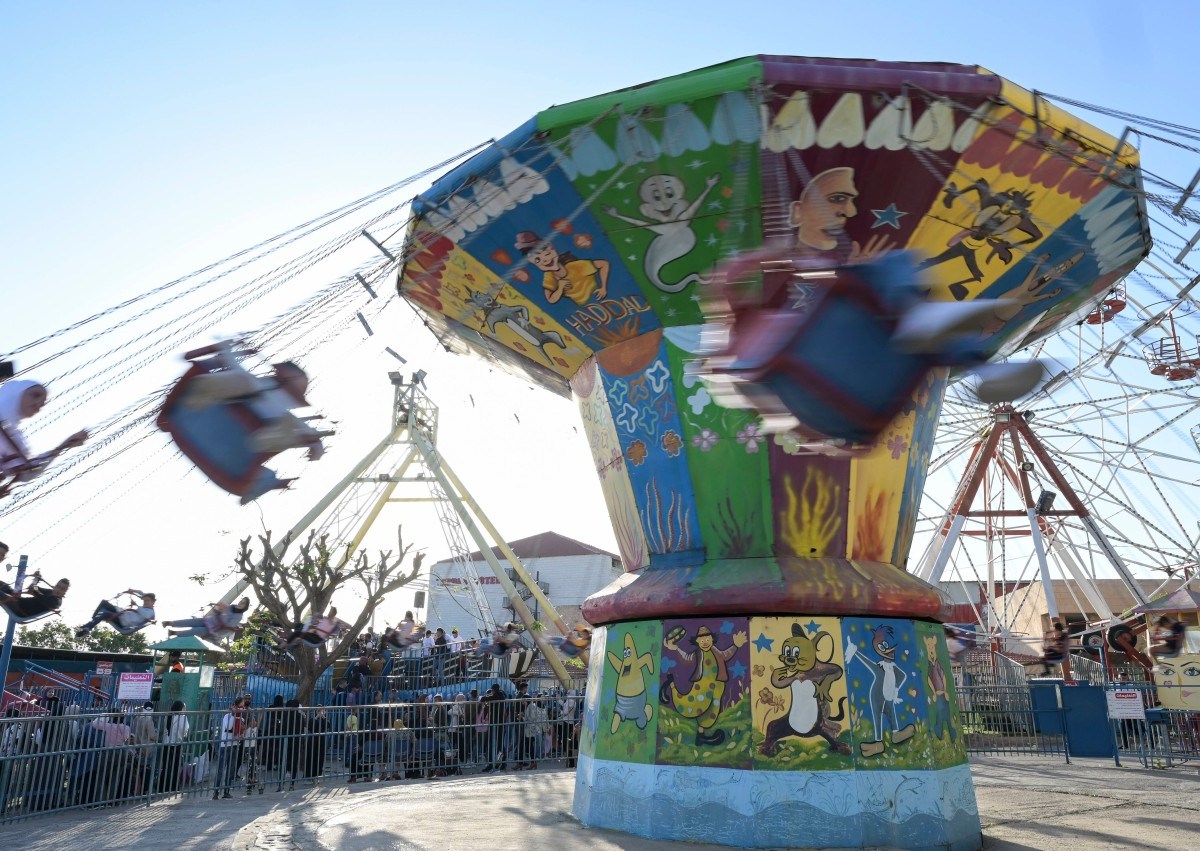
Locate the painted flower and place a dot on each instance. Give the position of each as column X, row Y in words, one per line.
column 502, row 257
column 521, row 275
column 562, row 226
column 897, row 444
column 751, row 437
column 636, row 453
column 583, row 240
column 705, row 440
column 789, row 443
column 672, row 443
column 699, row 401
column 517, row 345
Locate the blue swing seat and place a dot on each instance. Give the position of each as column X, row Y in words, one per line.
column 215, row 437
column 833, row 364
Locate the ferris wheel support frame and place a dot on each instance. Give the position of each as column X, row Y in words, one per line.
column 1006, row 420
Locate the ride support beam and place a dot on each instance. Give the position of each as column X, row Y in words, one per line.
column 509, row 555
column 1089, row 522
column 963, row 504
column 435, row 467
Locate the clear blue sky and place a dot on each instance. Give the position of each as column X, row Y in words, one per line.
column 143, row 140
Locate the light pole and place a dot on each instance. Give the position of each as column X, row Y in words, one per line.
column 6, row 651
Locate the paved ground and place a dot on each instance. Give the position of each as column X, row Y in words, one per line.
column 1031, row 803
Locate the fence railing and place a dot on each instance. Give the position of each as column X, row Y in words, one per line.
column 1002, row 719
column 74, row 761
column 1164, row 738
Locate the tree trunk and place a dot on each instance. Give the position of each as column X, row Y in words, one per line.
column 306, row 680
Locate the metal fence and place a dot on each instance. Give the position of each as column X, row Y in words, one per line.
column 1164, row 737
column 1002, row 719
column 70, row 761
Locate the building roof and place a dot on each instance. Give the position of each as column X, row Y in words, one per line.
column 1115, row 593
column 193, row 643
column 1181, row 600
column 542, row 545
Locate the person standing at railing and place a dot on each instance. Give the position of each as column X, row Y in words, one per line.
column 470, row 708
column 565, row 720
column 292, row 728
column 536, row 727
column 268, row 734
column 176, row 733
column 441, row 653
column 249, row 755
column 146, row 736
column 228, row 739
column 491, row 716
column 318, row 743
column 111, row 769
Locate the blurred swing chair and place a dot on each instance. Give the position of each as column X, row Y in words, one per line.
column 839, row 369
column 217, row 438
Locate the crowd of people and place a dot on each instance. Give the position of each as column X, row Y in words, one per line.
column 63, row 758
column 379, row 740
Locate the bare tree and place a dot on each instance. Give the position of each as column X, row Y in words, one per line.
column 292, row 588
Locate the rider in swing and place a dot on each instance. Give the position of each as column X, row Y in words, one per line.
column 36, row 600
column 315, row 631
column 125, row 621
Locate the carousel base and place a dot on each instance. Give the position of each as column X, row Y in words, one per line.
column 771, row 809
column 797, row 731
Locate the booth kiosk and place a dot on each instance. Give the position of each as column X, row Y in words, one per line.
column 194, row 684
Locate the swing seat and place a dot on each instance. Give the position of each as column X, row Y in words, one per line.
column 217, row 438
column 25, row 619
column 520, row 661
column 833, row 366
column 130, row 630
column 573, row 645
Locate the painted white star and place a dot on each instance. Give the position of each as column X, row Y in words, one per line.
column 631, row 257
column 695, row 164
column 712, row 239
column 714, row 204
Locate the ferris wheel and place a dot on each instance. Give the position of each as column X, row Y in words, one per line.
column 1094, row 477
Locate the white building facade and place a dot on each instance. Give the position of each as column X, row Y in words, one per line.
column 567, row 571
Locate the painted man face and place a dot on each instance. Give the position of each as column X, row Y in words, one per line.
column 705, row 642
column 821, row 213
column 545, row 259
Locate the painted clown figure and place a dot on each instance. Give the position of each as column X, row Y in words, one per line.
column 887, row 680
column 702, row 700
